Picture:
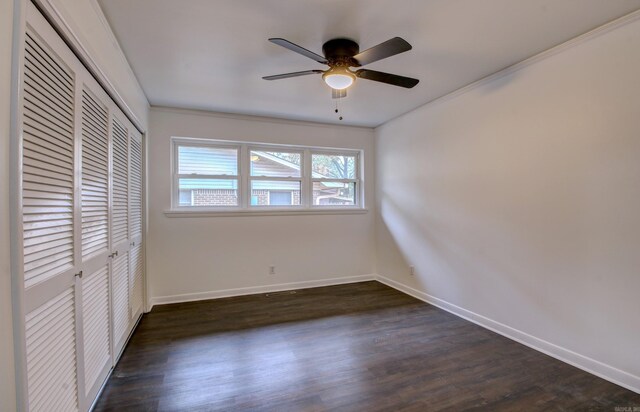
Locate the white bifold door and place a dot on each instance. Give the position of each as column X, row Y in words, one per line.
column 80, row 225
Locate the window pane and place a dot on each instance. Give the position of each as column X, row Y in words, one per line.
column 280, row 198
column 275, row 164
column 275, row 193
column 334, row 194
column 333, row 166
column 185, row 197
column 208, row 192
column 207, row 160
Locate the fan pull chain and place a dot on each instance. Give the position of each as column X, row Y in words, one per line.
column 338, row 111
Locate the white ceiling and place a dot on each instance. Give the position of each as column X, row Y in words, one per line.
column 211, row 54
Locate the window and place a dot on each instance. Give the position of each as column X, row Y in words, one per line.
column 207, row 176
column 334, row 179
column 217, row 175
column 275, row 177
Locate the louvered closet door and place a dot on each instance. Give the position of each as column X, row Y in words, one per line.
column 136, row 265
column 94, row 171
column 120, row 231
column 49, row 220
column 79, row 225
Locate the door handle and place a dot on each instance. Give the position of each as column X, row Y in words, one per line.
column 114, row 254
column 79, row 275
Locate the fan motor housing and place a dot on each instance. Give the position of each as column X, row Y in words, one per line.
column 339, row 52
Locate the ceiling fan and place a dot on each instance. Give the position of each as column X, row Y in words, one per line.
column 342, row 54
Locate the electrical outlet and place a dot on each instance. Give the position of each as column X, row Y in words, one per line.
column 272, row 270
column 412, row 270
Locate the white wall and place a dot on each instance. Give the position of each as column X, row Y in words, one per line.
column 7, row 381
column 519, row 201
column 196, row 255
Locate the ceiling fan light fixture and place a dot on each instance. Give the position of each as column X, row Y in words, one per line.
column 338, row 78
column 340, row 55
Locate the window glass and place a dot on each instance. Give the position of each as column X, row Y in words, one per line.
column 207, row 160
column 280, row 198
column 208, row 192
column 275, row 193
column 185, row 197
column 275, row 164
column 327, row 193
column 330, row 166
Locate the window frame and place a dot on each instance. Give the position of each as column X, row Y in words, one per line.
column 244, row 179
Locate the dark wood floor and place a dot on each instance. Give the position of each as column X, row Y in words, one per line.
column 358, row 347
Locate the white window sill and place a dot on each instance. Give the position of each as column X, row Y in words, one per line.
column 264, row 212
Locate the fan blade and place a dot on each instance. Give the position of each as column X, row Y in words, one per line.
column 389, row 78
column 294, row 74
column 298, row 49
column 389, row 48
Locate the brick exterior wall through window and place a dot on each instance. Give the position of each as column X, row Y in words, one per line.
column 227, row 197
column 214, row 197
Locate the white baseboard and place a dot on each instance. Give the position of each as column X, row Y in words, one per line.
column 610, row 373
column 217, row 294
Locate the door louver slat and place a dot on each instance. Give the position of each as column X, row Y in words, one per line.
column 42, row 149
column 95, row 310
column 135, row 201
column 38, row 127
column 52, row 65
column 135, row 286
column 47, row 186
column 120, row 187
column 120, row 287
column 54, row 89
column 95, row 184
column 46, row 102
column 51, row 355
column 44, row 118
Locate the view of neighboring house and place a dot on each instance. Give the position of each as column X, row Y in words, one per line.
column 273, row 192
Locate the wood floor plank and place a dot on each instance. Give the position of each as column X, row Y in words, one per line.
column 357, row 347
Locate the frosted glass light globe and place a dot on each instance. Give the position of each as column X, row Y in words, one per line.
column 338, row 78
